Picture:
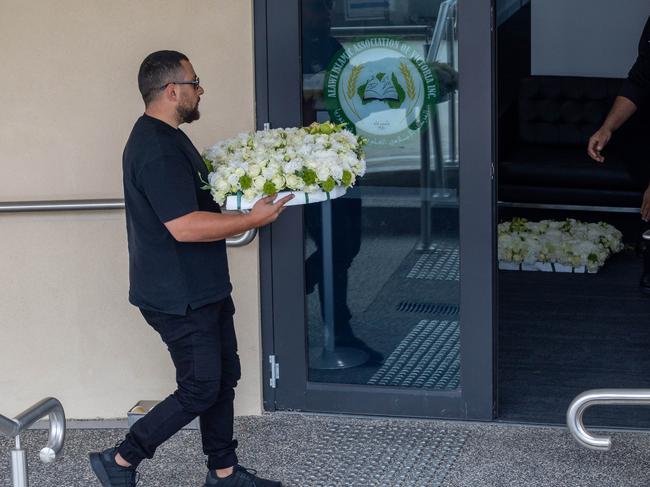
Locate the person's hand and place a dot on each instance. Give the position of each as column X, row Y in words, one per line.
column 645, row 205
column 597, row 143
column 265, row 211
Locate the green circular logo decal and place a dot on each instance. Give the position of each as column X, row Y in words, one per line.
column 381, row 88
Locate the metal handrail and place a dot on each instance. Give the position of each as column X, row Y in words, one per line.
column 446, row 12
column 99, row 204
column 50, row 407
column 61, row 205
column 47, row 407
column 596, row 397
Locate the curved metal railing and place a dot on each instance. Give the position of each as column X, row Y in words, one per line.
column 100, row 204
column 50, row 407
column 599, row 397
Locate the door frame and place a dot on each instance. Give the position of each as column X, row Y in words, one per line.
column 278, row 102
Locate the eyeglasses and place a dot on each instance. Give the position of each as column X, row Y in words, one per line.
column 196, row 82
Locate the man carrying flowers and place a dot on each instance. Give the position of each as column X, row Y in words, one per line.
column 179, row 277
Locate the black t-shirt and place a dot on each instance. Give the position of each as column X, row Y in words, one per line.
column 637, row 86
column 161, row 170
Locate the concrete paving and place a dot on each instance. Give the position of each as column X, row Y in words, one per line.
column 341, row 451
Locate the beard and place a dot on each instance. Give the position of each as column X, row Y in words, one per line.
column 188, row 113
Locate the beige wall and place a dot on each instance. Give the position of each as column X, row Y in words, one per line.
column 69, row 98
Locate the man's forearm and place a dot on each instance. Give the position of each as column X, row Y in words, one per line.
column 206, row 226
column 621, row 111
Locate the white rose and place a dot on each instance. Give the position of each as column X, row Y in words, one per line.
column 254, row 170
column 295, row 182
column 269, row 172
column 222, row 185
column 219, row 197
column 249, row 194
column 293, row 165
column 337, row 172
column 323, row 172
column 259, row 182
column 279, row 182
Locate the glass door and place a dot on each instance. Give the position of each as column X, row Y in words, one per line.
column 380, row 301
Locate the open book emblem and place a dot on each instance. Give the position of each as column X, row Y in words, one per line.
column 380, row 88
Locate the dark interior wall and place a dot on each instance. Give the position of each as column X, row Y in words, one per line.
column 513, row 63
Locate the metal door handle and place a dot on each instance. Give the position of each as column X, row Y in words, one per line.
column 594, row 397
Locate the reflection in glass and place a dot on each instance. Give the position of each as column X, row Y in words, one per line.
column 382, row 262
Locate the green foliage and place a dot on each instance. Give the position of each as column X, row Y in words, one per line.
column 518, row 225
column 325, row 128
column 567, row 226
column 347, row 178
column 245, row 182
column 329, row 185
column 269, row 188
column 206, row 185
column 208, row 163
column 308, row 176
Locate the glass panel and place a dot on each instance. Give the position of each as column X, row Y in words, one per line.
column 565, row 331
column 382, row 262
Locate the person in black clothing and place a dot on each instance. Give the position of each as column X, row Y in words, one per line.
column 633, row 95
column 179, row 278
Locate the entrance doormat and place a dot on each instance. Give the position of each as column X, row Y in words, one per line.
column 373, row 453
column 427, row 358
column 441, row 263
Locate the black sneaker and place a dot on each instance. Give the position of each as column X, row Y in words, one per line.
column 241, row 477
column 109, row 473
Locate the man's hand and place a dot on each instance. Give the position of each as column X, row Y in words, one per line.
column 265, row 211
column 207, row 226
column 645, row 205
column 597, row 143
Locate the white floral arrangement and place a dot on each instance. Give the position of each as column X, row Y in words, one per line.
column 560, row 246
column 316, row 163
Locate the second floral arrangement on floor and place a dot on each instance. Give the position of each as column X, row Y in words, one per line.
column 315, row 163
column 560, row 246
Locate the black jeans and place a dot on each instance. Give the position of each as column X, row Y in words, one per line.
column 203, row 348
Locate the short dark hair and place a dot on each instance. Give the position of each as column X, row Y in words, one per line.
column 158, row 68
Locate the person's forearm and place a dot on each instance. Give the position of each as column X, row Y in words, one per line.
column 206, row 226
column 621, row 111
